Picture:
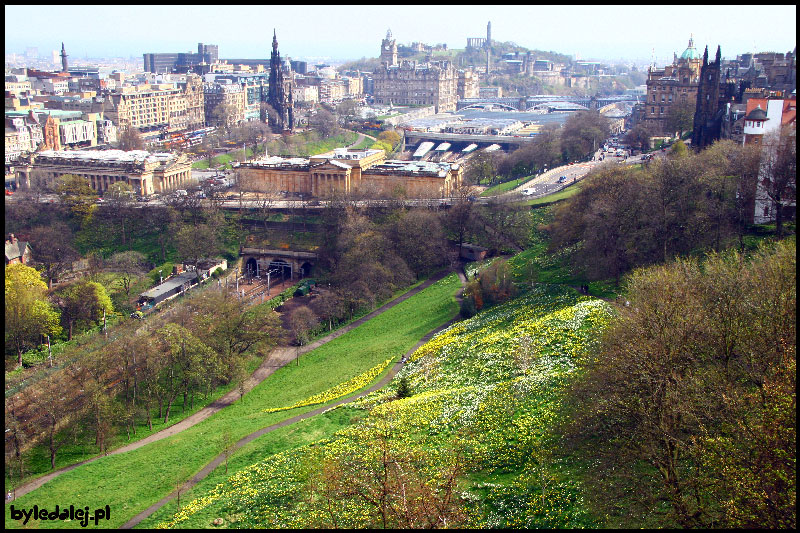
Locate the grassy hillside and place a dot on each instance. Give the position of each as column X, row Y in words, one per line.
column 484, row 398
column 133, row 481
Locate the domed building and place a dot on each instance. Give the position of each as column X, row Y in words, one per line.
column 674, row 84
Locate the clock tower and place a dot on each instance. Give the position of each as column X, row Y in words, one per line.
column 389, row 50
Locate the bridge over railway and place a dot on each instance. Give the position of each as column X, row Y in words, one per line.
column 289, row 264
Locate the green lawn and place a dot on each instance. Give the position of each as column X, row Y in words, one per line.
column 131, row 482
column 505, row 187
column 555, row 197
column 290, row 437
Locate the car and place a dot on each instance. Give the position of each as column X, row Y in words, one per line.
column 528, row 192
column 142, row 199
column 562, row 179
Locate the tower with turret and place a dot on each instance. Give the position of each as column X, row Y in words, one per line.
column 707, row 115
column 389, row 50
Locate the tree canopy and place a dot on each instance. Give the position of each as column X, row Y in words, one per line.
column 29, row 315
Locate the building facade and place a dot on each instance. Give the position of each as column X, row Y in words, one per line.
column 674, row 84
column 171, row 62
column 412, row 84
column 146, row 173
column 232, row 95
column 344, row 171
column 149, row 107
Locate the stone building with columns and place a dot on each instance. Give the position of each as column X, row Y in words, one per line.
column 145, row 172
column 344, row 171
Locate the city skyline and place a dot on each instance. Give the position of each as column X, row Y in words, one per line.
column 246, row 31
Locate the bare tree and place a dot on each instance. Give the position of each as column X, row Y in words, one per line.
column 778, row 177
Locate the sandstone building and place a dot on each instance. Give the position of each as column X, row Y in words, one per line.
column 159, row 106
column 344, row 171
column 434, row 83
column 146, row 173
column 675, row 83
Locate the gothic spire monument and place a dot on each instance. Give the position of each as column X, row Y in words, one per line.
column 280, row 92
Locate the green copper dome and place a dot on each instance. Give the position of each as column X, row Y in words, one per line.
column 691, row 51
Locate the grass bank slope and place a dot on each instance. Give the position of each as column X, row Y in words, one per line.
column 485, row 396
column 131, row 482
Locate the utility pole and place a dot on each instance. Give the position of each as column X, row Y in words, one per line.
column 49, row 352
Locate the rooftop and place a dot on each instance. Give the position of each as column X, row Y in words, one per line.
column 414, row 167
column 170, row 285
column 110, row 156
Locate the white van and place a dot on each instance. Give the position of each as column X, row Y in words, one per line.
column 181, row 192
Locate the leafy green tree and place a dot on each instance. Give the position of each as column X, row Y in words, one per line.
column 83, row 303
column 696, row 380
column 481, row 168
column 403, row 388
column 76, row 194
column 382, row 145
column 184, row 363
column 678, row 150
column 29, row 315
column 391, row 137
column 231, row 329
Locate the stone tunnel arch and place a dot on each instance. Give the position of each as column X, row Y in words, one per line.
column 279, row 267
column 252, row 266
column 305, row 269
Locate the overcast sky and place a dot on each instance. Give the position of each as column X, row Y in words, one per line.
column 352, row 32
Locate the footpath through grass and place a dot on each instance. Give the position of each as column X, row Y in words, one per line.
column 131, row 482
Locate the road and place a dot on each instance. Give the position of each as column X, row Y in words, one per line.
column 548, row 182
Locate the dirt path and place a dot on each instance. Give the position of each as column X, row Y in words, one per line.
column 206, row 470
column 276, row 359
